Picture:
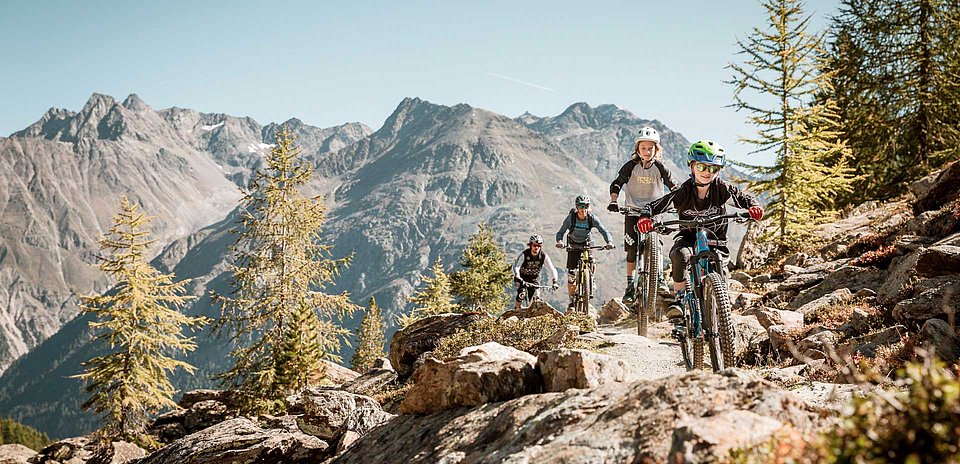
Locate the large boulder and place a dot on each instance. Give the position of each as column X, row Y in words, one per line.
column 944, row 341
column 480, row 374
column 15, row 454
column 373, row 380
column 240, row 441
column 933, row 298
column 118, row 452
column 567, row 368
column 77, row 450
column 709, row 438
column 940, row 191
column 613, row 311
column 934, row 261
column 615, row 422
column 408, row 345
column 337, row 374
column 325, row 411
column 852, row 278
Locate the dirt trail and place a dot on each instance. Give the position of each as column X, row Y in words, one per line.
column 651, row 357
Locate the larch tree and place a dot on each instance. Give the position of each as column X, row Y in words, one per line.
column 777, row 84
column 283, row 325
column 435, row 296
column 140, row 323
column 895, row 68
column 370, row 339
column 486, row 273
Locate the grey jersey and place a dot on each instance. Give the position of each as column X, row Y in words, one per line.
column 638, row 185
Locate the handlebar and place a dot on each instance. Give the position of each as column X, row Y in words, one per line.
column 582, row 248
column 699, row 222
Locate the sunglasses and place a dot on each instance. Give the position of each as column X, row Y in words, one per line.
column 583, row 206
column 707, row 167
column 534, row 245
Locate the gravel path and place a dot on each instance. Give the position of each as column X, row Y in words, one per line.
column 650, row 357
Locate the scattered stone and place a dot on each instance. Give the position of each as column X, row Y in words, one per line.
column 762, row 279
column 860, row 322
column 910, row 243
column 371, row 381
column 833, row 298
column 868, row 344
column 204, row 414
column 746, row 300
column 481, row 374
column 613, row 312
column 781, row 337
column 709, row 438
column 240, row 440
column 865, row 294
column 568, row 368
column 741, row 277
column 560, row 337
column 945, row 341
column 339, row 375
column 70, row 450
column 410, row 343
column 15, row 454
column 794, row 270
column 785, row 376
column 796, row 260
column 772, row 316
column 536, row 309
column 801, row 281
column 749, row 335
column 818, row 344
column 938, row 260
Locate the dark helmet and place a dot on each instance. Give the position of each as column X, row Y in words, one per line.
column 535, row 239
column 582, row 200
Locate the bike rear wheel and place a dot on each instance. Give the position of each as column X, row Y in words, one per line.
column 583, row 291
column 718, row 309
column 643, row 316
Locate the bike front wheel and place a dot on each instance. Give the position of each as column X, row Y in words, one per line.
column 583, row 291
column 652, row 260
column 718, row 321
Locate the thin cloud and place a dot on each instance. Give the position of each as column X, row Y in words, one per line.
column 518, row 81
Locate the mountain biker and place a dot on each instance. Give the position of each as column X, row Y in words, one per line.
column 529, row 264
column 641, row 180
column 576, row 226
column 702, row 195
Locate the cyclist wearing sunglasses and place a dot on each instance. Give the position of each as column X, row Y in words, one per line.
column 640, row 181
column 577, row 226
column 529, row 264
column 703, row 195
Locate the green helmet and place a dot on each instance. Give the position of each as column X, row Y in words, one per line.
column 707, row 152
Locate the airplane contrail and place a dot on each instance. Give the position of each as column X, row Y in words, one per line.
column 501, row 76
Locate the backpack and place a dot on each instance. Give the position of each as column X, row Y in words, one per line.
column 573, row 220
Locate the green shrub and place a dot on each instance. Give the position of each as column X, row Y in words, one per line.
column 13, row 432
column 522, row 334
column 920, row 424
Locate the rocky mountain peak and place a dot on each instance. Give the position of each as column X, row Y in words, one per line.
column 134, row 103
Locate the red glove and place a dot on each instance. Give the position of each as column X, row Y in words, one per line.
column 645, row 225
column 756, row 213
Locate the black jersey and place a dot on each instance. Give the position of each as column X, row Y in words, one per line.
column 690, row 206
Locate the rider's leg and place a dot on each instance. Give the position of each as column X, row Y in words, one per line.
column 679, row 256
column 630, row 241
column 519, row 296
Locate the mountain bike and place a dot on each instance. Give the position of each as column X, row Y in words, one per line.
column 531, row 294
column 649, row 265
column 585, row 270
column 706, row 305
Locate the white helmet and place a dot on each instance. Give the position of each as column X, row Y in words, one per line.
column 649, row 134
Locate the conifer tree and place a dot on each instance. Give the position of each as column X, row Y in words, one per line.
column 480, row 285
column 811, row 162
column 895, row 66
column 282, row 324
column 139, row 321
column 370, row 338
column 436, row 296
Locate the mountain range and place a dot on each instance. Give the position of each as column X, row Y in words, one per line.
column 399, row 198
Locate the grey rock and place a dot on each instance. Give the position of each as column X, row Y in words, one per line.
column 338, row 375
column 934, row 298
column 326, row 411
column 945, row 341
column 772, row 316
column 204, row 414
column 482, row 374
column 818, row 345
column 781, row 337
column 833, row 298
column 861, row 321
column 796, row 259
column 382, row 363
column 580, row 426
column 708, row 438
column 801, row 281
column 371, row 381
column 77, row 450
column 536, row 309
column 741, row 277
column 749, row 335
column 851, row 278
column 568, row 368
column 612, row 312
column 868, row 344
column 15, row 454
column 241, row 440
column 941, row 190
column 409, row 344
column 792, row 270
column 118, row 452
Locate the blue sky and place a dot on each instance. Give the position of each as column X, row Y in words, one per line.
column 333, row 62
